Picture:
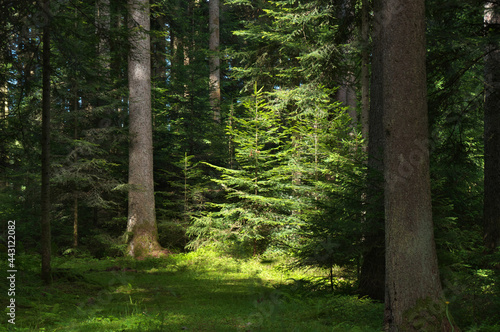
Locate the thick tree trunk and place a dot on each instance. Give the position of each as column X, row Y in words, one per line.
column 492, row 131
column 372, row 277
column 45, row 190
column 141, row 226
column 214, row 61
column 414, row 298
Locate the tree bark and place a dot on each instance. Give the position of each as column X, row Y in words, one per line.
column 214, row 61
column 365, row 72
column 492, row 131
column 103, row 26
column 159, row 53
column 4, row 113
column 141, row 226
column 74, row 106
column 414, row 298
column 45, row 190
column 346, row 94
column 372, row 277
column 75, row 222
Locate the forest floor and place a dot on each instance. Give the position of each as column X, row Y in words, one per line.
column 206, row 290
column 200, row 291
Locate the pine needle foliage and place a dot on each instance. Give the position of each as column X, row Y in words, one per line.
column 256, row 204
column 290, row 147
column 286, row 43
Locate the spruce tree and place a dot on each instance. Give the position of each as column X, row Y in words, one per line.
column 142, row 227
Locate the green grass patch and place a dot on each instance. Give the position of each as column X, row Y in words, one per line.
column 199, row 291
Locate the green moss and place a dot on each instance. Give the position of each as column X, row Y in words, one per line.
column 199, row 291
column 427, row 315
column 143, row 245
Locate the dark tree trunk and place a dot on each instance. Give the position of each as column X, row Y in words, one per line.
column 414, row 298
column 103, row 26
column 365, row 72
column 214, row 61
column 45, row 190
column 492, row 131
column 141, row 226
column 372, row 277
column 74, row 106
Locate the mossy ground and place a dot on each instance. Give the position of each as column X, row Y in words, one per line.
column 201, row 291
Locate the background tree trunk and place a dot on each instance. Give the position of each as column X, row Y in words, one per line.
column 414, row 298
column 214, row 60
column 365, row 72
column 492, row 130
column 372, row 277
column 74, row 107
column 141, row 215
column 103, row 26
column 45, row 222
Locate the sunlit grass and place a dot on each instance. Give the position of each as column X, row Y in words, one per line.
column 199, row 291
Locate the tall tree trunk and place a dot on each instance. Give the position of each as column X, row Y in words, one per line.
column 103, row 52
column 159, row 53
column 103, row 26
column 159, row 60
column 372, row 277
column 75, row 222
column 45, row 190
column 365, row 72
column 141, row 215
column 74, row 105
column 492, row 130
column 414, row 298
column 214, row 61
column 4, row 113
column 346, row 94
column 116, row 61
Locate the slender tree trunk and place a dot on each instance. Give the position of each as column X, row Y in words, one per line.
column 230, row 138
column 159, row 60
column 214, row 61
column 75, row 222
column 75, row 137
column 4, row 113
column 414, row 298
column 365, row 72
column 492, row 131
column 160, row 48
column 45, row 190
column 372, row 277
column 103, row 53
column 347, row 96
column 103, row 25
column 141, row 216
column 346, row 93
column 117, row 62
